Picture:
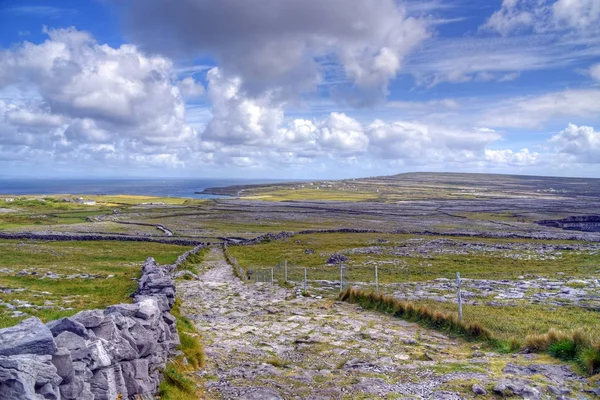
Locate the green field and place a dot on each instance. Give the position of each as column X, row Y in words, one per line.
column 53, row 298
column 509, row 323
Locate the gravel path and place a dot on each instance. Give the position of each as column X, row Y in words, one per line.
column 266, row 343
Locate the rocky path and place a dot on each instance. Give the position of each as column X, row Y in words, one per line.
column 266, row 343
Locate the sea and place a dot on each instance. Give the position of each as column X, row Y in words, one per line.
column 166, row 187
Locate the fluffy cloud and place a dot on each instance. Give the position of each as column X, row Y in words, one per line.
column 341, row 133
column 580, row 16
column 508, row 157
column 190, row 88
column 79, row 92
column 418, row 141
column 285, row 45
column 533, row 111
column 581, row 143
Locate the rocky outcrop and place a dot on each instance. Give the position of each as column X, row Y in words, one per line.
column 95, row 354
column 588, row 223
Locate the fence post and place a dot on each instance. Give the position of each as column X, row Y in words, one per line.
column 272, row 282
column 305, row 280
column 376, row 280
column 341, row 277
column 285, row 267
column 460, row 311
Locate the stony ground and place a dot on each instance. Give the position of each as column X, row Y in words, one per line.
column 268, row 343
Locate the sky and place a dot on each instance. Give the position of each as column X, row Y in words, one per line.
column 300, row 89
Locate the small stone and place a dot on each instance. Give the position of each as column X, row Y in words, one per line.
column 479, row 390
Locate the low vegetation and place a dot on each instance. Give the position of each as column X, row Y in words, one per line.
column 181, row 382
column 388, row 251
column 447, row 322
column 51, row 280
column 579, row 346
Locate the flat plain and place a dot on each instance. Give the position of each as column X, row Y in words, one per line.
column 527, row 249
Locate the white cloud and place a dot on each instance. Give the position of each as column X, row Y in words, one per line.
column 534, row 111
column 338, row 132
column 579, row 16
column 508, row 157
column 414, row 140
column 190, row 88
column 81, row 96
column 282, row 46
column 582, row 143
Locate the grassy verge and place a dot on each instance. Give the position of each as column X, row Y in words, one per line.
column 579, row 346
column 192, row 262
column 109, row 269
column 180, row 381
column 238, row 271
column 447, row 322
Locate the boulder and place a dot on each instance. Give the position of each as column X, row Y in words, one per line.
column 89, row 318
column 66, row 324
column 99, row 356
column 108, row 383
column 148, row 310
column 136, row 377
column 479, row 390
column 26, row 376
column 169, row 319
column 118, row 347
column 28, row 337
column 161, row 299
column 510, row 387
column 79, row 387
column 75, row 344
column 63, row 363
column 127, row 310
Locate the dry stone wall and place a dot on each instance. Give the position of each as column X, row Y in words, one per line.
column 95, row 354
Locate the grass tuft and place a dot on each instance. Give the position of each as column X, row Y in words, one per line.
column 180, row 382
column 423, row 314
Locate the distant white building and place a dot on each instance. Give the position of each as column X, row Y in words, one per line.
column 83, row 201
column 9, row 199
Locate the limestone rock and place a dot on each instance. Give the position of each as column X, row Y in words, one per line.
column 28, row 337
column 509, row 387
column 63, row 363
column 20, row 375
column 89, row 318
column 136, row 377
column 108, row 383
column 479, row 390
column 75, row 344
column 69, row 325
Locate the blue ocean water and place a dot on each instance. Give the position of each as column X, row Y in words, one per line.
column 146, row 187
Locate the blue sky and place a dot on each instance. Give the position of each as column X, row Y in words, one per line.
column 299, row 89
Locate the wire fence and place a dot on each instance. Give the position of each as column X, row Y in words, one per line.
column 331, row 279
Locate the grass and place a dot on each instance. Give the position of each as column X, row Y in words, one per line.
column 192, row 262
column 415, row 267
column 580, row 346
column 447, row 322
column 508, row 323
column 102, row 259
column 180, row 382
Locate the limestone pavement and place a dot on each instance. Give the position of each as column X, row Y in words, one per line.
column 266, row 342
